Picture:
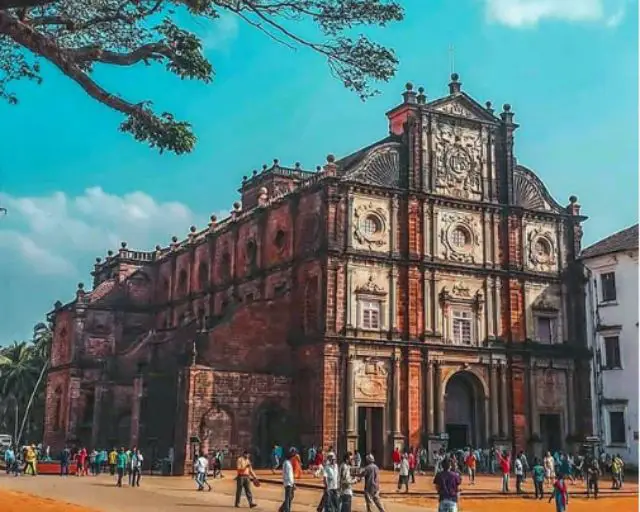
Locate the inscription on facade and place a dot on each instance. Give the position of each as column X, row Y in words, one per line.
column 371, row 376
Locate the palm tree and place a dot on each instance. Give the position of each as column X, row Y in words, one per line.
column 42, row 339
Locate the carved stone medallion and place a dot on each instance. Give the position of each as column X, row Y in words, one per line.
column 370, row 380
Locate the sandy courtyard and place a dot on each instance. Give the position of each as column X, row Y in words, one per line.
column 157, row 494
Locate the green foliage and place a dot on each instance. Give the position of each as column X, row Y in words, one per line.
column 20, row 367
column 78, row 35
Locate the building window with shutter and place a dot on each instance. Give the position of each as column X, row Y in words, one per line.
column 612, row 358
column 461, row 327
column 617, row 428
column 608, row 285
column 370, row 314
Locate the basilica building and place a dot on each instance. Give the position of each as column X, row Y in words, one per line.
column 424, row 290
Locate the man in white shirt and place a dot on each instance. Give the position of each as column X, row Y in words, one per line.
column 346, row 483
column 331, row 477
column 202, row 467
column 519, row 469
column 403, row 477
column 288, row 481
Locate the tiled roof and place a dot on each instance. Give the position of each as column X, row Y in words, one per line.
column 624, row 240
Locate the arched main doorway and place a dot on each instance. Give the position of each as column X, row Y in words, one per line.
column 464, row 410
column 272, row 425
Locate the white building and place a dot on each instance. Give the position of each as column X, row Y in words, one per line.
column 612, row 330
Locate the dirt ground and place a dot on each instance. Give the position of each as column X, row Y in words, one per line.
column 157, row 494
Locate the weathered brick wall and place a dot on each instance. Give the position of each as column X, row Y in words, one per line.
column 224, row 408
column 332, row 424
column 414, row 397
column 63, row 335
column 56, row 409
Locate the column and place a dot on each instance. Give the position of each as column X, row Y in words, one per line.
column 396, row 395
column 350, row 319
column 570, row 403
column 430, row 395
column 350, row 406
column 533, row 400
column 491, row 321
column 437, row 328
column 350, row 221
column 504, row 411
column 426, row 303
column 440, row 399
column 426, row 232
column 494, row 400
column 393, row 225
column 392, row 300
column 498, row 311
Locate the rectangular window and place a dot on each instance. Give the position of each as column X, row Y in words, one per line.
column 462, row 327
column 612, row 352
column 370, row 314
column 545, row 329
column 608, row 284
column 617, row 432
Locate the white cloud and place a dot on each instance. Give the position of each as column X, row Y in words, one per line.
column 528, row 13
column 49, row 243
column 220, row 33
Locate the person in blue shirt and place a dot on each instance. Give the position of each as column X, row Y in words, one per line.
column 65, row 457
column 121, row 465
column 9, row 459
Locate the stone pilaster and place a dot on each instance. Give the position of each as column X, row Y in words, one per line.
column 533, row 397
column 571, row 405
column 393, row 279
column 393, row 225
column 351, row 322
column 429, row 391
column 398, row 439
column 426, row 303
column 138, row 387
column 504, row 409
column 350, row 221
column 352, row 438
column 495, row 428
column 440, row 400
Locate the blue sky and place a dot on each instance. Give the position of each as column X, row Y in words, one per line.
column 76, row 186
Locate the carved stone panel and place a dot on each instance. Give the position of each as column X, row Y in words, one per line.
column 541, row 248
column 371, row 224
column 552, row 389
column 460, row 237
column 371, row 380
column 459, row 160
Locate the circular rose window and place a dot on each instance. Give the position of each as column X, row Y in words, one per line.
column 371, row 225
column 460, row 238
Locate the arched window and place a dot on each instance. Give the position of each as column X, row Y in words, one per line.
column 203, row 276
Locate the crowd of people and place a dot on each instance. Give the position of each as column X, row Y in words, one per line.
column 118, row 463
column 548, row 474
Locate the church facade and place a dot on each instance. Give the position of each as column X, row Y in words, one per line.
column 422, row 290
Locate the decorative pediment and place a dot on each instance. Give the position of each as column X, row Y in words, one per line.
column 462, row 105
column 543, row 303
column 380, row 166
column 529, row 192
column 371, row 288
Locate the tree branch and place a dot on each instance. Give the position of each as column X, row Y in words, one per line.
column 144, row 52
column 23, row 4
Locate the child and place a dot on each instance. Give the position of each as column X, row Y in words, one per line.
column 560, row 493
